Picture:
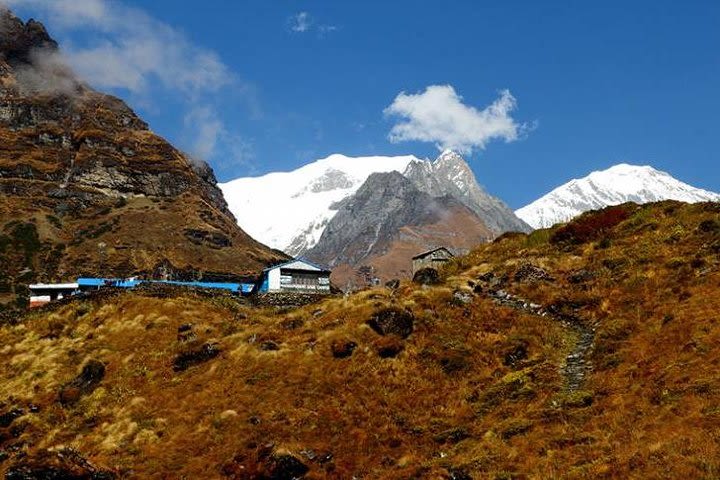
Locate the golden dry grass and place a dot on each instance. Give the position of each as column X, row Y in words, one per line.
column 447, row 402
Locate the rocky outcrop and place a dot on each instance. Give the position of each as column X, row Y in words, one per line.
column 392, row 321
column 18, row 40
column 105, row 195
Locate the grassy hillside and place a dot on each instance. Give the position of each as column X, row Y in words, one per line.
column 585, row 351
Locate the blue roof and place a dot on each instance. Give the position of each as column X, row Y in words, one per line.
column 94, row 282
column 122, row 283
column 234, row 287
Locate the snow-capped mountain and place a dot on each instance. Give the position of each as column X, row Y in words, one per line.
column 618, row 184
column 290, row 210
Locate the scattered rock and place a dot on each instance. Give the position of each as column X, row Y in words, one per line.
column 486, row 277
column 461, row 297
column 292, row 323
column 393, row 284
column 342, row 348
column 515, row 353
column 286, row 467
column 458, row 474
column 532, row 273
column 63, row 465
column 90, row 376
column 269, row 346
column 185, row 360
column 389, row 347
column 392, row 321
column 427, row 276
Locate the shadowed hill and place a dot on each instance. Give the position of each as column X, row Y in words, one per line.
column 490, row 374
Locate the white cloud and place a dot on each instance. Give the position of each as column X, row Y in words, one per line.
column 211, row 139
column 439, row 115
column 301, row 22
column 207, row 127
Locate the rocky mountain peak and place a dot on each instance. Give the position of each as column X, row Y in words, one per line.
column 387, row 221
column 450, row 157
column 450, row 174
column 19, row 40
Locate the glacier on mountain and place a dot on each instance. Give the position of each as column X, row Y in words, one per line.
column 618, row 184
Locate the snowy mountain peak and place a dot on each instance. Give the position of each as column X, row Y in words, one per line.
column 289, row 210
column 618, row 184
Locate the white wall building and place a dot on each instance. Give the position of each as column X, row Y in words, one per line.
column 296, row 276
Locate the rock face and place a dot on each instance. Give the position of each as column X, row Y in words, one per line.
column 93, row 189
column 450, row 175
column 388, row 221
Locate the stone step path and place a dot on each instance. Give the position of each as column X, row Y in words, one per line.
column 577, row 366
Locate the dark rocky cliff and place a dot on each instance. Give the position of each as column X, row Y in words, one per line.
column 87, row 188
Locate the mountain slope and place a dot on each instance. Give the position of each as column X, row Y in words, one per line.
column 289, row 210
column 388, row 221
column 618, row 184
column 452, row 381
column 87, row 188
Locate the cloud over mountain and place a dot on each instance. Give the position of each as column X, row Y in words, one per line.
column 439, row 115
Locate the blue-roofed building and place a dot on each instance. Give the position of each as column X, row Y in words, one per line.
column 86, row 283
column 296, row 276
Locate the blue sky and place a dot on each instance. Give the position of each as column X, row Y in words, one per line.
column 256, row 86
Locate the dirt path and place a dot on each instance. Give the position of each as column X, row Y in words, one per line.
column 577, row 365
